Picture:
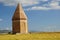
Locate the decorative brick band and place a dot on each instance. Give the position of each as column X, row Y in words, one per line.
column 19, row 19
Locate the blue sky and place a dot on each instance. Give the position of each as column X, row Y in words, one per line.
column 43, row 15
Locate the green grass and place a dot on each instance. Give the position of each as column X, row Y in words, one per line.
column 32, row 36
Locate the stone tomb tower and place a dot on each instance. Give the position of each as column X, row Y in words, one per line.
column 19, row 21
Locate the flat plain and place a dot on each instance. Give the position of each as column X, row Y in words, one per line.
column 32, row 36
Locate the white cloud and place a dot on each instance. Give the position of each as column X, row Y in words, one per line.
column 38, row 8
column 52, row 5
column 14, row 2
column 24, row 2
column 29, row 2
column 1, row 19
column 9, row 2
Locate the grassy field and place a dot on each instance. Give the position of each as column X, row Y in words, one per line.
column 32, row 36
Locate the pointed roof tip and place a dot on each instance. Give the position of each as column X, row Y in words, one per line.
column 19, row 13
column 19, row 4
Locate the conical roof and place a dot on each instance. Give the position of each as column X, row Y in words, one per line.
column 19, row 13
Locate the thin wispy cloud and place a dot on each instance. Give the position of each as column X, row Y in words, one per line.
column 51, row 28
column 7, row 28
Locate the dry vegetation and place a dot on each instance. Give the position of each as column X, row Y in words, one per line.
column 32, row 36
